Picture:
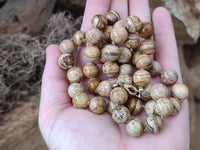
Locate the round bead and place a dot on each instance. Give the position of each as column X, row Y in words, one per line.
column 146, row 30
column 164, row 107
column 67, row 46
column 94, row 35
column 141, row 78
column 90, row 70
column 135, row 56
column 125, row 55
column 169, row 77
column 177, row 105
column 150, row 107
column 144, row 62
column 120, row 23
column 135, row 127
column 159, row 91
column 180, row 91
column 106, row 33
column 120, row 114
column 91, row 53
column 155, row 69
column 134, row 24
column 79, row 38
column 132, row 41
column 110, row 53
column 110, row 69
column 93, row 84
column 81, row 100
column 112, row 17
column 153, row 124
column 148, row 47
column 134, row 105
column 118, row 95
column 145, row 95
column 75, row 88
column 124, row 79
column 99, row 21
column 111, row 106
column 119, row 35
column 126, row 69
column 66, row 61
column 97, row 105
column 74, row 74
column 104, row 89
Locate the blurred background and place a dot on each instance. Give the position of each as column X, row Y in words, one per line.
column 27, row 27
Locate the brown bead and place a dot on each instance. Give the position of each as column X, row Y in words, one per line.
column 104, row 89
column 91, row 53
column 93, row 84
column 66, row 61
column 94, row 35
column 126, row 69
column 97, row 105
column 141, row 78
column 90, row 70
column 119, row 35
column 125, row 55
column 79, row 38
column 75, row 88
column 135, row 127
column 110, row 53
column 110, row 69
column 81, row 100
column 120, row 23
column 155, row 69
column 106, row 33
column 153, row 124
column 135, row 56
column 177, row 105
column 159, row 91
column 118, row 95
column 125, row 79
column 164, row 107
column 134, row 105
column 150, row 108
column 134, row 24
column 113, row 80
column 120, row 114
column 144, row 62
column 111, row 106
column 112, row 17
column 180, row 91
column 169, row 77
column 74, row 74
column 146, row 30
column 67, row 46
column 145, row 94
column 99, row 21
column 148, row 47
column 132, row 41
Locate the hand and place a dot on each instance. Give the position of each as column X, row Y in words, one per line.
column 65, row 127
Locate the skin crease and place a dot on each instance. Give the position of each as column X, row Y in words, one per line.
column 65, row 127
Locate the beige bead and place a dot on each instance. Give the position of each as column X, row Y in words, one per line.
column 110, row 53
column 81, row 100
column 132, row 41
column 99, row 21
column 112, row 17
column 135, row 127
column 111, row 106
column 126, row 69
column 120, row 23
column 169, row 77
column 67, row 46
column 75, row 88
column 97, row 105
column 144, row 62
column 147, row 30
column 134, row 24
column 110, row 69
column 177, row 105
column 119, row 35
column 74, row 74
column 148, row 47
column 79, row 38
column 94, row 35
column 125, row 55
column 134, row 105
column 180, row 91
column 150, row 108
column 153, row 124
column 164, row 107
column 66, row 61
column 155, row 69
column 106, row 33
column 90, row 70
column 113, row 80
column 125, row 79
column 159, row 91
column 141, row 78
column 120, row 114
column 118, row 95
column 104, row 88
column 91, row 53
column 145, row 95
column 135, row 56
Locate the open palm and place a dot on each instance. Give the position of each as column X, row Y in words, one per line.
column 65, row 127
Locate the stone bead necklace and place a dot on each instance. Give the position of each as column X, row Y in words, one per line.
column 116, row 43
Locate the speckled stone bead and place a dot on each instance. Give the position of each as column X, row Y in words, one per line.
column 99, row 21
column 135, row 127
column 94, row 35
column 169, row 77
column 180, row 91
column 159, row 91
column 67, row 46
column 81, row 100
column 125, row 55
column 120, row 114
column 106, row 33
column 125, row 79
column 164, row 107
column 134, row 105
column 144, row 62
column 120, row 23
column 177, row 105
column 153, row 124
column 97, row 105
column 75, row 88
column 132, row 41
column 79, row 38
column 112, row 17
column 74, row 74
column 104, row 89
column 91, row 53
column 110, row 69
column 110, row 53
column 148, row 47
column 66, row 61
column 135, row 56
column 155, row 70
column 126, row 69
column 150, row 108
column 93, row 84
column 145, row 94
column 141, row 78
column 119, row 35
column 134, row 24
column 147, row 30
column 111, row 106
column 90, row 70
column 118, row 95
